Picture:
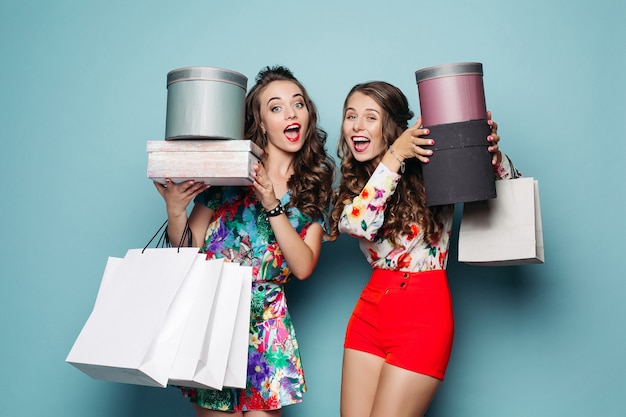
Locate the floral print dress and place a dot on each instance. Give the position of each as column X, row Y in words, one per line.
column 364, row 216
column 240, row 233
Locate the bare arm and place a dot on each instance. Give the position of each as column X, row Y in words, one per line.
column 301, row 254
column 199, row 221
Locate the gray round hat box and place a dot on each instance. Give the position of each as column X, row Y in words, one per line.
column 452, row 104
column 205, row 103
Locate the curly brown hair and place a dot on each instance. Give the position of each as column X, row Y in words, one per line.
column 311, row 184
column 407, row 206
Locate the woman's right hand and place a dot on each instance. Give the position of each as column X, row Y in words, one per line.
column 409, row 144
column 178, row 196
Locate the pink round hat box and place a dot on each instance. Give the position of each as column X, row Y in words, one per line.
column 451, row 93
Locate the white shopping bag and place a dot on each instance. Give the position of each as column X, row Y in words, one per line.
column 118, row 341
column 107, row 277
column 505, row 230
column 237, row 367
column 219, row 334
column 196, row 318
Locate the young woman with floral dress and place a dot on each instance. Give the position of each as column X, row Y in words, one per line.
column 399, row 338
column 276, row 226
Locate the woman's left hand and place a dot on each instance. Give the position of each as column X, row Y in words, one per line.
column 494, row 138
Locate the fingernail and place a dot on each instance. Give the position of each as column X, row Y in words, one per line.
column 430, row 152
column 490, row 138
column 432, row 142
column 426, row 160
column 426, row 132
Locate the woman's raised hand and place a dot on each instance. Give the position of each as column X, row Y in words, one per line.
column 178, row 196
column 409, row 144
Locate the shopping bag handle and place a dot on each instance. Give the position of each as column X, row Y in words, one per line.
column 164, row 240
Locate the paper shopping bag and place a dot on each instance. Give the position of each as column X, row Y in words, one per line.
column 505, row 230
column 195, row 322
column 109, row 272
column 119, row 340
column 212, row 365
column 237, row 366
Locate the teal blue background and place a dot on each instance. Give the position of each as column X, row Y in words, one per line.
column 82, row 86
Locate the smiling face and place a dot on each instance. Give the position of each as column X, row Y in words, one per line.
column 363, row 127
column 284, row 115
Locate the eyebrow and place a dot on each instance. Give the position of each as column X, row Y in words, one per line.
column 372, row 110
column 278, row 98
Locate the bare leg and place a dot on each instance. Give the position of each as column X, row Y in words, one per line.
column 359, row 381
column 403, row 393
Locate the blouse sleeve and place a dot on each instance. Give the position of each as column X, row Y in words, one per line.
column 505, row 170
column 211, row 198
column 364, row 215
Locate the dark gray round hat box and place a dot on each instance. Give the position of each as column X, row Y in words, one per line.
column 452, row 104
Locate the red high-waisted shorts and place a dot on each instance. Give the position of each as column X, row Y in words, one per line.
column 405, row 318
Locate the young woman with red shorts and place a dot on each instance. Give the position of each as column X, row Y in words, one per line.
column 399, row 338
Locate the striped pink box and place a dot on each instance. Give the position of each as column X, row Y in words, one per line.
column 215, row 162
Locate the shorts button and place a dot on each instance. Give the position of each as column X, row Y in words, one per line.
column 405, row 275
column 402, row 284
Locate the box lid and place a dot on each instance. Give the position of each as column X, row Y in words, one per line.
column 449, row 70
column 204, row 145
column 207, row 74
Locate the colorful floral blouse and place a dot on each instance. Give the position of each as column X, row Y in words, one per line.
column 365, row 214
column 239, row 232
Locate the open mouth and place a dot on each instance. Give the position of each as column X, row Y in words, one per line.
column 360, row 143
column 292, row 132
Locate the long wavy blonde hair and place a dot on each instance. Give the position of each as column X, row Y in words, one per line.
column 407, row 206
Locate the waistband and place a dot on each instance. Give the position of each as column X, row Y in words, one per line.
column 385, row 278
